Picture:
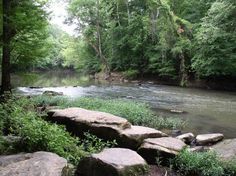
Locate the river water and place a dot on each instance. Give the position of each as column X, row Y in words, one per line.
column 206, row 111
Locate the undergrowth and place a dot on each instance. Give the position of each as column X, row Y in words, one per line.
column 18, row 118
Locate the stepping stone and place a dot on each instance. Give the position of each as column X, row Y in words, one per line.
column 101, row 124
column 32, row 164
column 134, row 136
column 113, row 162
column 226, row 149
column 165, row 147
column 205, row 139
column 186, row 138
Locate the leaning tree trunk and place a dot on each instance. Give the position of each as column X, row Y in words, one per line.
column 6, row 79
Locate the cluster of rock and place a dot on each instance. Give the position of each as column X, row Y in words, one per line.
column 139, row 146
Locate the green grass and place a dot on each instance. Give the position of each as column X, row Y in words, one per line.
column 134, row 112
column 203, row 164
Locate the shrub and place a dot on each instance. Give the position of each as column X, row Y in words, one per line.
column 203, row 164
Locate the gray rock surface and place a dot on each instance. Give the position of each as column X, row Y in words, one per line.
column 226, row 149
column 134, row 136
column 205, row 139
column 113, row 162
column 101, row 124
column 164, row 147
column 186, row 138
column 32, row 164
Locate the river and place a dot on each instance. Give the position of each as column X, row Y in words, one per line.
column 206, row 111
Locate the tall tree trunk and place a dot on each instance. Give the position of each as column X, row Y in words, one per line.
column 100, row 53
column 183, row 71
column 7, row 35
column 128, row 11
column 117, row 12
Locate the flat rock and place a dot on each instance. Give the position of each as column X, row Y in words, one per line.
column 186, row 138
column 32, row 164
column 113, row 162
column 134, row 136
column 226, row 149
column 79, row 120
column 165, row 147
column 205, row 139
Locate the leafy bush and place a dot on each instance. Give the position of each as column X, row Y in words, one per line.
column 39, row 135
column 203, row 164
column 92, row 144
column 131, row 74
column 134, row 112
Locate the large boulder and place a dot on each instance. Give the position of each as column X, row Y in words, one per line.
column 207, row 139
column 134, row 136
column 165, row 147
column 113, row 162
column 226, row 149
column 32, row 164
column 101, row 124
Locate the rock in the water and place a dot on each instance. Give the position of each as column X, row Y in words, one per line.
column 186, row 138
column 226, row 149
column 78, row 120
column 134, row 136
column 35, row 164
column 113, row 162
column 52, row 93
column 165, row 147
column 205, row 139
column 176, row 111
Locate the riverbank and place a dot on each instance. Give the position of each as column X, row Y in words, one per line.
column 221, row 83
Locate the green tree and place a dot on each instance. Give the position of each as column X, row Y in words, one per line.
column 215, row 41
column 24, row 24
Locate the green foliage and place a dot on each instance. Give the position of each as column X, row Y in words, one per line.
column 215, row 43
column 130, row 74
column 134, row 112
column 203, row 164
column 93, row 144
column 171, row 39
column 28, row 20
column 39, row 135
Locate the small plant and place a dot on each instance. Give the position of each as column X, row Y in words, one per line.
column 131, row 74
column 93, row 144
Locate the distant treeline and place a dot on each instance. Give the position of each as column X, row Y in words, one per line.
column 180, row 40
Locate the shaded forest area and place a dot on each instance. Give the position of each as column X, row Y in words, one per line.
column 176, row 40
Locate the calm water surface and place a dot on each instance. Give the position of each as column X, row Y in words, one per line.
column 206, row 111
